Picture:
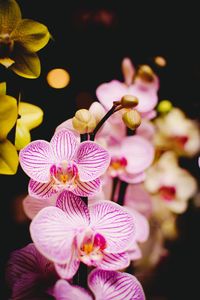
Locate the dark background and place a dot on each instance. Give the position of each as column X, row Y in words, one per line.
column 91, row 48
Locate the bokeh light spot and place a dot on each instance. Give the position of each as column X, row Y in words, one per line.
column 58, row 78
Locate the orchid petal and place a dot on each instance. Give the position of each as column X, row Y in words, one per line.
column 51, row 234
column 8, row 158
column 64, row 291
column 64, row 145
column 31, row 115
column 69, row 269
column 10, row 16
column 85, row 189
column 133, row 178
column 107, row 285
column 33, row 205
column 134, row 252
column 8, row 115
column 114, row 223
column 117, row 261
column 36, row 160
column 111, row 91
column 76, row 210
column 92, row 160
column 41, row 190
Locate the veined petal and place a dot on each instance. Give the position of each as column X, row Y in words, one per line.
column 33, row 205
column 64, row 291
column 41, row 190
column 69, row 269
column 8, row 115
column 109, row 285
column 76, row 210
column 85, row 189
column 36, row 160
column 51, row 234
column 8, row 158
column 114, row 223
column 117, row 261
column 92, row 160
column 111, row 91
column 22, row 135
column 134, row 252
column 27, row 64
column 10, row 16
column 64, row 145
column 31, row 34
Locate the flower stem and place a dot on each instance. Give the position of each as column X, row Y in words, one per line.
column 113, row 109
column 114, row 185
column 122, row 192
column 81, row 276
column 84, row 137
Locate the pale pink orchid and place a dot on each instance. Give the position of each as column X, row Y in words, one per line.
column 63, row 164
column 70, row 233
column 130, row 159
column 146, row 92
column 175, row 131
column 166, row 181
column 29, row 275
column 105, row 285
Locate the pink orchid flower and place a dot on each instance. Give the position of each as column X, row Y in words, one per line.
column 130, row 158
column 105, row 285
column 146, row 92
column 71, row 233
column 29, row 275
column 63, row 164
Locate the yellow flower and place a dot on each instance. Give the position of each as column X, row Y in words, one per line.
column 20, row 39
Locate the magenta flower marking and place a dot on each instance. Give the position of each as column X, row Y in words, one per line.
column 105, row 285
column 71, row 232
column 167, row 193
column 63, row 164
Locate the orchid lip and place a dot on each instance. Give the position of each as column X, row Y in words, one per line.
column 117, row 166
column 65, row 175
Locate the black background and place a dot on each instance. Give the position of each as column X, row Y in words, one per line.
column 92, row 53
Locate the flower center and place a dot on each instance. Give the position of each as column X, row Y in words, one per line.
column 65, row 175
column 91, row 250
column 180, row 140
column 117, row 166
column 168, row 193
column 6, row 45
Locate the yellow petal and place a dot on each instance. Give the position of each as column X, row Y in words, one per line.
column 10, row 15
column 31, row 35
column 31, row 115
column 2, row 88
column 8, row 115
column 22, row 136
column 27, row 64
column 6, row 61
column 8, row 158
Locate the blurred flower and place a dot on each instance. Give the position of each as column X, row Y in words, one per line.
column 174, row 131
column 20, row 39
column 130, row 158
column 29, row 274
column 63, row 164
column 97, row 235
column 143, row 86
column 169, row 183
column 104, row 285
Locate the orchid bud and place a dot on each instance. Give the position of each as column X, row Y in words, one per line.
column 145, row 73
column 128, row 70
column 97, row 110
column 83, row 121
column 129, row 101
column 164, row 107
column 132, row 119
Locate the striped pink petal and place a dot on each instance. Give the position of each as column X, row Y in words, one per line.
column 26, row 270
column 36, row 160
column 64, row 145
column 117, row 261
column 76, row 210
column 69, row 269
column 139, row 153
column 85, row 189
column 111, row 91
column 33, row 205
column 110, row 285
column 92, row 160
column 52, row 235
column 114, row 223
column 64, row 291
column 41, row 190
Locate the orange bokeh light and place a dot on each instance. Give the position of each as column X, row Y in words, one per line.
column 58, row 78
